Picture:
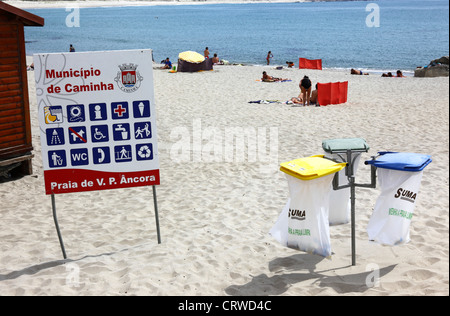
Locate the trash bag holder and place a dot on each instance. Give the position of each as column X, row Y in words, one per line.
column 346, row 148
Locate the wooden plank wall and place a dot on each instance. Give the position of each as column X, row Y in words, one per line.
column 15, row 129
column 12, row 116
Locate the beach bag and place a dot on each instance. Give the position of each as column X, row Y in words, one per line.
column 303, row 222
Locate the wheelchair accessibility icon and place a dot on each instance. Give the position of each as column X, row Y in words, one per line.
column 99, row 133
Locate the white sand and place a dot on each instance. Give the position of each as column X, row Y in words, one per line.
column 215, row 216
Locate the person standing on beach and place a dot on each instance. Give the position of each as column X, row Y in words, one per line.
column 206, row 52
column 71, row 48
column 269, row 56
column 305, row 88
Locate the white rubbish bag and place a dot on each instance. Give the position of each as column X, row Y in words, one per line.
column 340, row 204
column 303, row 223
column 391, row 218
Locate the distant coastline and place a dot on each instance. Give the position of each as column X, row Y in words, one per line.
column 37, row 4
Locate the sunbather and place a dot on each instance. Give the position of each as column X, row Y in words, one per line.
column 358, row 72
column 267, row 78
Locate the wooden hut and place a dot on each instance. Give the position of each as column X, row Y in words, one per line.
column 15, row 127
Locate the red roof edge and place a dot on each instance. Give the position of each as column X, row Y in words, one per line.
column 27, row 18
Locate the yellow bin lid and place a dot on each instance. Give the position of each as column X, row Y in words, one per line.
column 310, row 168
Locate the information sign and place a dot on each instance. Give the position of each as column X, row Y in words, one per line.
column 97, row 120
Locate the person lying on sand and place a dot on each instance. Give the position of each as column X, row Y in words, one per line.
column 296, row 100
column 358, row 72
column 400, row 74
column 267, row 78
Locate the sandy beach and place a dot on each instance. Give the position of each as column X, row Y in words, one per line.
column 215, row 213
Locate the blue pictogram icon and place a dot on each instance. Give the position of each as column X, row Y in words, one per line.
column 77, row 135
column 57, row 158
column 122, row 153
column 99, row 133
column 121, row 131
column 141, row 109
column 101, row 155
column 97, row 111
column 144, row 152
column 55, row 136
column 119, row 110
column 75, row 113
column 79, row 157
column 142, row 130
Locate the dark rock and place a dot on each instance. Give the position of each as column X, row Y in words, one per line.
column 436, row 68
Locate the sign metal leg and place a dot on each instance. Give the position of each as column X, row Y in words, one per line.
column 155, row 202
column 55, row 219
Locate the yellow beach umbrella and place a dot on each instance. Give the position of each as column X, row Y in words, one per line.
column 192, row 57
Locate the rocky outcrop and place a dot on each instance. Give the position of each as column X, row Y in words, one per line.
column 436, row 68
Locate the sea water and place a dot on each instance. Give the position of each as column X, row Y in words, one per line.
column 378, row 35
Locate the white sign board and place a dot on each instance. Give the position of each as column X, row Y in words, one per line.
column 97, row 120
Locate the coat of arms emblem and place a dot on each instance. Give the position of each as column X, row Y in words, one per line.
column 128, row 78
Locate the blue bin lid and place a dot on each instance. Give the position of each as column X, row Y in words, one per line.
column 401, row 161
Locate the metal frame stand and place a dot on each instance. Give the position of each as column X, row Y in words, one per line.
column 58, row 231
column 55, row 219
column 349, row 172
column 155, row 203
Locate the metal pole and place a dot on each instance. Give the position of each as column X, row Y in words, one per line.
column 351, row 180
column 352, row 202
column 155, row 202
column 55, row 219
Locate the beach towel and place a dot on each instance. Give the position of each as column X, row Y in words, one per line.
column 304, row 63
column 265, row 101
column 287, row 80
column 332, row 93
